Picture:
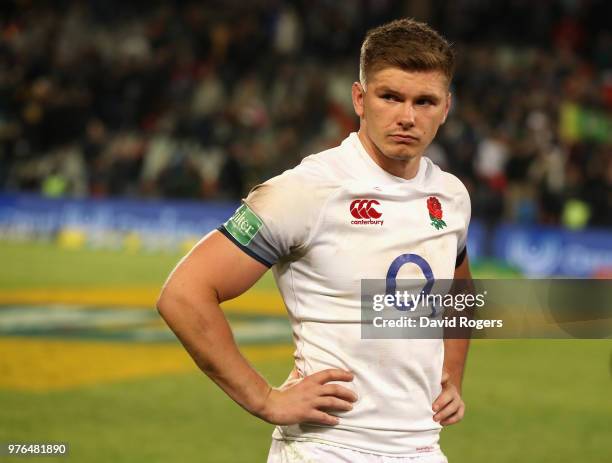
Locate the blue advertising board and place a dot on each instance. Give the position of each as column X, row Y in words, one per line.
column 169, row 225
column 476, row 243
column 545, row 251
column 158, row 223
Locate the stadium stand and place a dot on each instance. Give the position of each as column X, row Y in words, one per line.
column 203, row 100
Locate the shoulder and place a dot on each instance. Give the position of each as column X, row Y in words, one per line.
column 290, row 204
column 446, row 181
column 312, row 181
column 330, row 166
column 293, row 200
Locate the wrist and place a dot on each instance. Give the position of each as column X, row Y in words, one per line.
column 456, row 383
column 261, row 407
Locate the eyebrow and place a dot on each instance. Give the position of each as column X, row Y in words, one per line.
column 385, row 89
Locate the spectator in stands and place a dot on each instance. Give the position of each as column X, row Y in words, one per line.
column 124, row 87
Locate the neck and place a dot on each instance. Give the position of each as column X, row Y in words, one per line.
column 403, row 168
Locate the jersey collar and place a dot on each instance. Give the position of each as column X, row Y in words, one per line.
column 377, row 173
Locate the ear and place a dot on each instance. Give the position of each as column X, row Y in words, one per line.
column 447, row 108
column 358, row 94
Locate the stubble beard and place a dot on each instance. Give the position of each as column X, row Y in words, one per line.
column 396, row 153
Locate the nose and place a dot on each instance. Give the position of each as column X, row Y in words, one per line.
column 407, row 116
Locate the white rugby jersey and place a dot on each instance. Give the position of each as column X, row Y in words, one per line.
column 325, row 225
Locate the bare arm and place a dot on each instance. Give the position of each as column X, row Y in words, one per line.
column 449, row 407
column 455, row 350
column 216, row 270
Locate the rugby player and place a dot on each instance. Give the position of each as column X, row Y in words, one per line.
column 343, row 215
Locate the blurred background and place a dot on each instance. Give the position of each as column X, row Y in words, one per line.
column 199, row 101
column 128, row 130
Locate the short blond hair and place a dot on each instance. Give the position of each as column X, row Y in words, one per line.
column 406, row 44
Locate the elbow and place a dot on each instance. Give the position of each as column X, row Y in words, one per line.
column 191, row 319
column 173, row 308
column 166, row 302
column 174, row 300
column 160, row 304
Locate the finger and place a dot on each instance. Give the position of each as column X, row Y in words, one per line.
column 332, row 403
column 319, row 417
column 339, row 391
column 455, row 418
column 447, row 411
column 332, row 374
column 443, row 399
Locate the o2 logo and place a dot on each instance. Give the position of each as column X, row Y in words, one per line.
column 391, row 280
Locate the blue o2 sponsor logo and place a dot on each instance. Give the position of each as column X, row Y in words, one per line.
column 391, row 279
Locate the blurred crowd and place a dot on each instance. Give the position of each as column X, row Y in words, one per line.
column 202, row 100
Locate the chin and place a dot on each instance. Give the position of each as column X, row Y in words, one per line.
column 400, row 155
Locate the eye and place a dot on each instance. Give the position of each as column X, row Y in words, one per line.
column 425, row 102
column 389, row 97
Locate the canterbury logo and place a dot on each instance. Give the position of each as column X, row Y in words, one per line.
column 363, row 210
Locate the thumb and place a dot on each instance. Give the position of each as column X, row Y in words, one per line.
column 445, row 377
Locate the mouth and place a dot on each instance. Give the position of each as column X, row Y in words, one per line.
column 404, row 138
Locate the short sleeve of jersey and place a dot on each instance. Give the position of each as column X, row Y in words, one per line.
column 275, row 219
column 465, row 210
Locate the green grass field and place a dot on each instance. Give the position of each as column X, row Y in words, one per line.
column 529, row 401
column 35, row 265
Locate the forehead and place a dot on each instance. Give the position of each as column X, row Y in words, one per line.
column 409, row 81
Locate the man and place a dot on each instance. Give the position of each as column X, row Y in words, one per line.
column 346, row 214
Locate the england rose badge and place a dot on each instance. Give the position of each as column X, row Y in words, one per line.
column 435, row 212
